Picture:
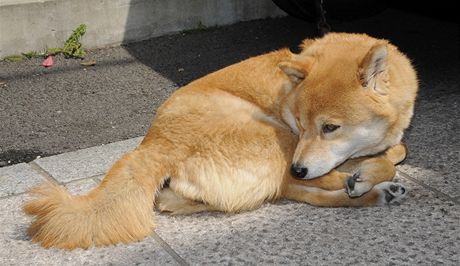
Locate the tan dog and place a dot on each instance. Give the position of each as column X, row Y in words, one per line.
column 234, row 138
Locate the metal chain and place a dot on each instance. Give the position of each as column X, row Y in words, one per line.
column 322, row 25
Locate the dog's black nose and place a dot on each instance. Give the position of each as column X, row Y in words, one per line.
column 298, row 171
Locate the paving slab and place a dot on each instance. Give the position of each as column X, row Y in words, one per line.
column 434, row 145
column 446, row 183
column 87, row 162
column 424, row 229
column 17, row 249
column 18, row 178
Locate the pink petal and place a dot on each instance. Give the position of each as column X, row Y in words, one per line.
column 48, row 61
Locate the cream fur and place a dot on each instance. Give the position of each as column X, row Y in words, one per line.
column 227, row 141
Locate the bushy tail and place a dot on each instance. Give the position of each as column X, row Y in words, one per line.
column 120, row 209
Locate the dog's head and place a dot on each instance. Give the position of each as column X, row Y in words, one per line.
column 352, row 96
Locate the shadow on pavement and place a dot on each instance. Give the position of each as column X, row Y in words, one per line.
column 431, row 41
column 189, row 55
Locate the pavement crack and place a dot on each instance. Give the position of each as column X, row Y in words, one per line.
column 169, row 250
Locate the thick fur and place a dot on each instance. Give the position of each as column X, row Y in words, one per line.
column 227, row 142
column 119, row 210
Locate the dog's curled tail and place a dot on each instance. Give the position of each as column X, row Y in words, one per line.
column 120, row 209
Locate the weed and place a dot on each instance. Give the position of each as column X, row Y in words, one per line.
column 32, row 54
column 14, row 58
column 72, row 48
column 200, row 27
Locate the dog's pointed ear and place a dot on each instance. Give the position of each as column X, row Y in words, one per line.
column 294, row 70
column 373, row 67
column 306, row 43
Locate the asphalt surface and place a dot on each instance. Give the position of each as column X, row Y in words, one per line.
column 46, row 111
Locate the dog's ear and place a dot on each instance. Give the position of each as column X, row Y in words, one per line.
column 306, row 43
column 373, row 68
column 294, row 70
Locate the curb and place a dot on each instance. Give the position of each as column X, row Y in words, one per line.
column 63, row 168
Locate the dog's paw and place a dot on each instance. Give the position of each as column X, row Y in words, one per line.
column 173, row 208
column 390, row 192
column 357, row 186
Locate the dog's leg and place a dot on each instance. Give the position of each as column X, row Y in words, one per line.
column 381, row 194
column 359, row 175
column 169, row 201
column 370, row 171
column 334, row 180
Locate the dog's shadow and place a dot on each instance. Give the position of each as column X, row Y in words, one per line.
column 185, row 57
column 19, row 232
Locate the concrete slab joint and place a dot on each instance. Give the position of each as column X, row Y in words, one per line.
column 18, row 179
column 110, row 22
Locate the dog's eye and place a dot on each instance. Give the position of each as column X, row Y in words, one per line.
column 328, row 128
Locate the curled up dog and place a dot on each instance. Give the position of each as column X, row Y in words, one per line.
column 321, row 127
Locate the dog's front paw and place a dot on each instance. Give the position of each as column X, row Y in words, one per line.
column 390, row 192
column 357, row 186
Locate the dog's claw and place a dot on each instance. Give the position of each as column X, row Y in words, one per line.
column 357, row 186
column 351, row 181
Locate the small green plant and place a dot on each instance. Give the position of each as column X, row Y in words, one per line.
column 200, row 27
column 32, row 54
column 14, row 58
column 72, row 48
column 52, row 51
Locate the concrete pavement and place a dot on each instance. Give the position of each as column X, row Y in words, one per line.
column 130, row 81
column 423, row 230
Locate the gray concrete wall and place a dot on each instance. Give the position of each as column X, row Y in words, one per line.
column 27, row 25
